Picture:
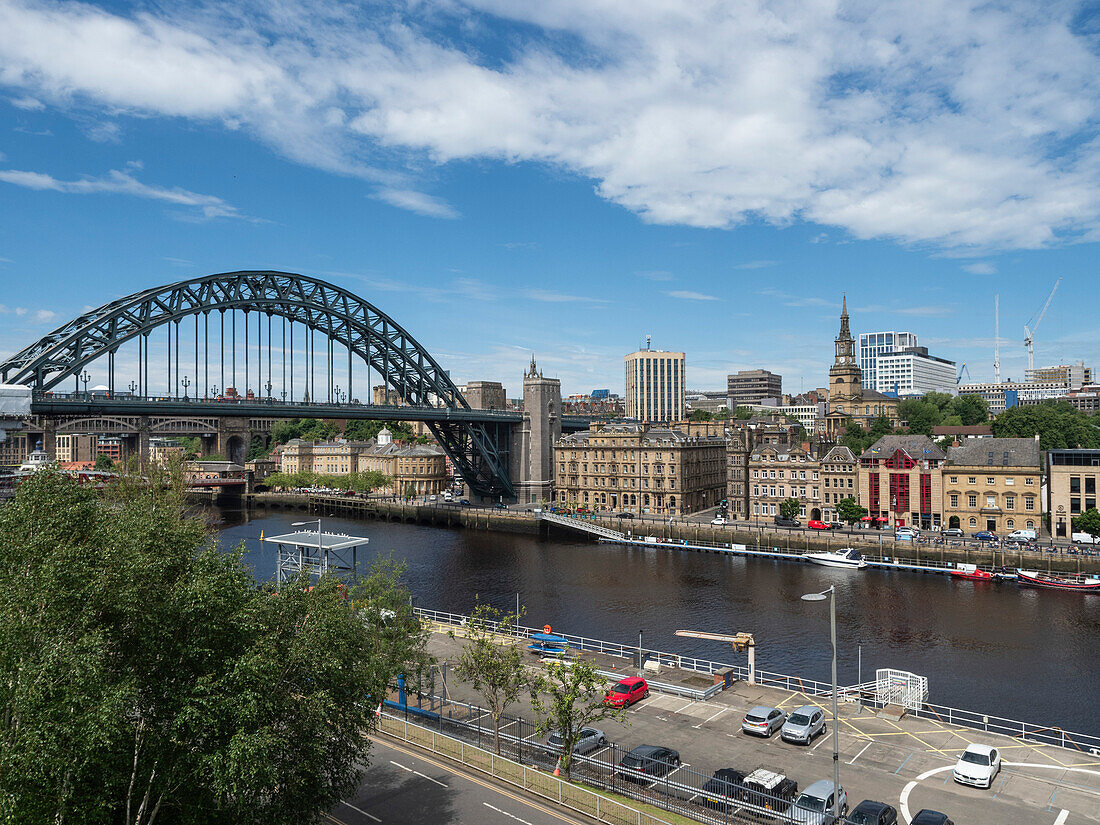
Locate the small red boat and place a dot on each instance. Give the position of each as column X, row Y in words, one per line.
column 971, row 572
column 1059, row 581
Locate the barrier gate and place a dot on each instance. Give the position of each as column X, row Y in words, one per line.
column 898, row 687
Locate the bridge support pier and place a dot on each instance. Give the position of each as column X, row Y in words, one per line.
column 234, row 438
column 533, row 456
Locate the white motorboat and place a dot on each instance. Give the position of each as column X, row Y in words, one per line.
column 844, row 557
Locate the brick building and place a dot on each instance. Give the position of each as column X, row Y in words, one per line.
column 900, row 481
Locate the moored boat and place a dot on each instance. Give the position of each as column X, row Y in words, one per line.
column 1059, row 581
column 847, row 557
column 972, row 572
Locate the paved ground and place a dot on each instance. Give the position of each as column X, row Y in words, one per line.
column 405, row 786
column 906, row 763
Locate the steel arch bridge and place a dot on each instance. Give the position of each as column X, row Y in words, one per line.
column 478, row 448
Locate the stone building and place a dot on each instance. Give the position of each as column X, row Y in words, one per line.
column 994, row 484
column 752, row 387
column 1071, row 486
column 849, row 401
column 15, row 448
column 639, row 469
column 416, row 469
column 742, row 437
column 900, row 481
column 838, row 481
column 485, row 395
column 781, row 471
column 532, row 455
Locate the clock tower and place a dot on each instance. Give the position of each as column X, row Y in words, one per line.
column 845, row 378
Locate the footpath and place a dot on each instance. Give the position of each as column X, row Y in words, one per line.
column 904, row 762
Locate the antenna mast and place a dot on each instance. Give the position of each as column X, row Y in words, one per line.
column 997, row 338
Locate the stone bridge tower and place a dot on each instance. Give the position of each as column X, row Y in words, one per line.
column 532, row 455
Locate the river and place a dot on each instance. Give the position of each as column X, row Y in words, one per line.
column 1019, row 653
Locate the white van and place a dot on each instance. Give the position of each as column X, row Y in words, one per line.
column 1027, row 535
column 1083, row 538
column 447, row 495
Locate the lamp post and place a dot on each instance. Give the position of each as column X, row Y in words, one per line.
column 85, row 378
column 186, row 383
column 133, row 387
column 321, row 550
column 267, row 387
column 820, row 597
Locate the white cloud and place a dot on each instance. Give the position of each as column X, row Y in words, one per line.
column 981, row 268
column 755, row 264
column 967, row 126
column 688, row 295
column 44, row 315
column 417, row 202
column 27, row 104
column 123, row 183
column 548, row 297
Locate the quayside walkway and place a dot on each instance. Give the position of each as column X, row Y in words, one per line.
column 1050, row 777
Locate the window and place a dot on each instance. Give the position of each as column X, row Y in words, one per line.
column 972, row 501
column 973, row 522
column 991, row 501
column 954, row 501
column 1029, row 481
column 1090, row 485
column 1030, row 523
column 1075, row 505
column 972, row 480
column 1010, row 481
column 990, row 480
column 1075, row 484
column 1010, row 502
column 1010, row 524
column 954, row 479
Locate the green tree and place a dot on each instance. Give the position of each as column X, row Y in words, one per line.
column 103, row 462
column 1058, row 424
column 360, row 430
column 743, row 413
column 257, row 449
column 971, row 409
column 788, row 508
column 700, row 415
column 850, row 511
column 1088, row 522
column 574, row 692
column 941, row 400
column 216, row 701
column 491, row 662
column 192, row 446
column 921, row 414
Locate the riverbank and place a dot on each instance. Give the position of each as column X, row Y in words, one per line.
column 686, row 535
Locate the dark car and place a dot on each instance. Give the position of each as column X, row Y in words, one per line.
column 464, row 501
column 786, row 522
column 985, row 535
column 869, row 812
column 837, row 525
column 724, row 788
column 930, row 817
column 499, row 506
column 649, row 762
column 626, row 515
column 769, row 790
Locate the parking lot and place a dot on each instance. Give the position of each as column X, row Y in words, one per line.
column 906, row 763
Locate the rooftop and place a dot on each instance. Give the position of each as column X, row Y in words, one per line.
column 1003, row 452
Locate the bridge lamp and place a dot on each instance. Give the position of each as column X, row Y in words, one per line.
column 85, row 378
column 133, row 387
column 267, row 387
column 186, row 383
column 820, row 597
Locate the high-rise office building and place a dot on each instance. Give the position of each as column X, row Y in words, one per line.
column 752, row 387
column 874, row 344
column 913, row 372
column 655, row 385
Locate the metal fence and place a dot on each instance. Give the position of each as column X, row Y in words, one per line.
column 1048, row 734
column 465, row 732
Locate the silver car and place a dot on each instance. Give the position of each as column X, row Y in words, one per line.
column 814, row 806
column 588, row 740
column 763, row 720
column 803, row 725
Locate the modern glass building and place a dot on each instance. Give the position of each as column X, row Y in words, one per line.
column 655, row 385
column 874, row 344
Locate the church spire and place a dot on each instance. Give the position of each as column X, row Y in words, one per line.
column 845, row 333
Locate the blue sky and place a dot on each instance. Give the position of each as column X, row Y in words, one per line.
column 565, row 177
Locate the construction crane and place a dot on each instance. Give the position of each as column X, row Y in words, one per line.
column 1029, row 331
column 997, row 338
column 742, row 642
column 962, row 369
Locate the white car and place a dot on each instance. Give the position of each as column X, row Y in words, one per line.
column 719, row 521
column 978, row 766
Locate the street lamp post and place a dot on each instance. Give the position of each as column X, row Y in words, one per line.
column 640, row 653
column 818, row 597
column 267, row 387
column 133, row 387
column 186, row 383
column 85, row 378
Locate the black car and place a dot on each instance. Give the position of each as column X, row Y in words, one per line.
column 836, row 525
column 869, row 812
column 930, row 817
column 786, row 522
column 626, row 515
column 769, row 790
column 724, row 787
column 648, row 762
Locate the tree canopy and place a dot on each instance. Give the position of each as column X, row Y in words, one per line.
column 1088, row 522
column 850, row 511
column 936, row 408
column 788, row 508
column 145, row 676
column 310, row 429
column 1058, row 424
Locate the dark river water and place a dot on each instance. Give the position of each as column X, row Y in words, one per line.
column 998, row 649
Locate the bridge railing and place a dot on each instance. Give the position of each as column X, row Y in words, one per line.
column 586, row 526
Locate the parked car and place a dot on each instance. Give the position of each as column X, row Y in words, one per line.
column 588, row 740
column 718, row 520
column 926, row 816
column 952, row 533
column 648, row 761
column 626, row 515
column 431, row 498
column 465, row 501
column 626, row 692
column 978, row 766
column 1029, row 535
column 769, row 790
column 787, row 522
column 500, row 506
column 722, row 789
column 869, row 812
column 814, row 524
column 763, row 720
column 985, row 535
column 814, row 806
column 1083, row 538
column 899, row 536
column 803, row 725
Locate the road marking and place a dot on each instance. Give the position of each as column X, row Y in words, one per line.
column 1061, row 817
column 361, row 811
column 685, row 707
column 858, row 755
column 902, row 765
column 908, row 789
column 719, row 713
column 425, row 776
column 820, row 741
column 499, row 811
column 402, row 767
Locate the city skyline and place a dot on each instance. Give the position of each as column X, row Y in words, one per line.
column 563, row 217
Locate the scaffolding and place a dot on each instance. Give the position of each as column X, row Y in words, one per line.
column 316, row 553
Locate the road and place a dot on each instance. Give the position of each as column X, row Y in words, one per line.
column 404, row 786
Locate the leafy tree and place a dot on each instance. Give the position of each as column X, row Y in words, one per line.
column 971, row 409
column 743, row 413
column 310, row 429
column 1088, row 522
column 103, row 462
column 941, row 400
column 192, row 446
column 788, row 508
column 1058, row 424
column 850, row 511
column 366, row 430
column 491, row 664
column 700, row 415
column 217, row 701
column 573, row 700
column 257, row 449
column 921, row 414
